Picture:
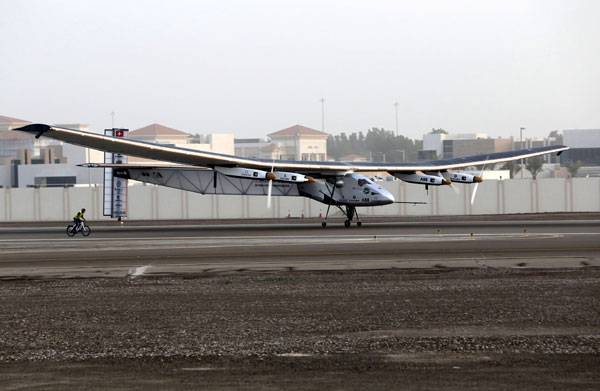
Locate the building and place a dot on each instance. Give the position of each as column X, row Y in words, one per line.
column 28, row 161
column 8, row 123
column 585, row 146
column 433, row 143
column 440, row 145
column 256, row 148
column 300, row 143
column 160, row 134
column 164, row 135
column 480, row 146
column 294, row 143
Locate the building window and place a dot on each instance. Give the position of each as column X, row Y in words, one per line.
column 448, row 149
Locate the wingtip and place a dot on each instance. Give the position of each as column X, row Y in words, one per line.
column 37, row 129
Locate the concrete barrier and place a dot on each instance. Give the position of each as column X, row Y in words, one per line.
column 148, row 202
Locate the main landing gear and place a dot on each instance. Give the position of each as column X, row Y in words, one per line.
column 350, row 212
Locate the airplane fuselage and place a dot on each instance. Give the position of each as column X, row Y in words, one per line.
column 349, row 190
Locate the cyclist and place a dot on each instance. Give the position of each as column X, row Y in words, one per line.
column 78, row 219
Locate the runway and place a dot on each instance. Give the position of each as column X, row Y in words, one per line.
column 128, row 250
column 231, row 306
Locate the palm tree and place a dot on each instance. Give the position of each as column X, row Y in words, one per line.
column 513, row 167
column 534, row 165
column 573, row 167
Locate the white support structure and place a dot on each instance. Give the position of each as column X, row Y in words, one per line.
column 115, row 189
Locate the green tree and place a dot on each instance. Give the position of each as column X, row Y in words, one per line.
column 378, row 143
column 513, row 166
column 573, row 167
column 534, row 166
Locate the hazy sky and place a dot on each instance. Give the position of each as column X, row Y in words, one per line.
column 254, row 67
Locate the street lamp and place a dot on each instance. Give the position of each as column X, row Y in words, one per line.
column 521, row 161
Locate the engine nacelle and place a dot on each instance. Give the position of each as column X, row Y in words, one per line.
column 241, row 172
column 461, row 177
column 422, row 179
column 291, row 177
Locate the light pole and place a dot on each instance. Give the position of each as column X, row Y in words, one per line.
column 323, row 115
column 396, row 104
column 521, row 161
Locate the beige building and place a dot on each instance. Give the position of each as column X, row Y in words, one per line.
column 160, row 134
column 294, row 143
column 299, row 143
column 257, row 148
column 8, row 123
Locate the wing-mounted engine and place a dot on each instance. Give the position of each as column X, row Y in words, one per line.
column 241, row 172
column 460, row 177
column 422, row 179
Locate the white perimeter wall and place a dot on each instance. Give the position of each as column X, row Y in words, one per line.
column 161, row 203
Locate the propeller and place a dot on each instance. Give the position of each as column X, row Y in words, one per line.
column 478, row 180
column 270, row 176
column 456, row 190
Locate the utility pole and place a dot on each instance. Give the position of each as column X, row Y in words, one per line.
column 521, row 162
column 396, row 104
column 323, row 115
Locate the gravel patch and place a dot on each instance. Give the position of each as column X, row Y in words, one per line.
column 336, row 320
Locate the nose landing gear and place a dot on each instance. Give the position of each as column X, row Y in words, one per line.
column 350, row 212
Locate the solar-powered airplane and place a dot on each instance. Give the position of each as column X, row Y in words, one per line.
column 337, row 184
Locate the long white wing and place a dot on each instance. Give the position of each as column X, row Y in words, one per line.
column 211, row 159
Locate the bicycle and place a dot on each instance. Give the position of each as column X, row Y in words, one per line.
column 83, row 228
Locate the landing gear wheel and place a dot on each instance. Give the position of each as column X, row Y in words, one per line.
column 324, row 224
column 86, row 231
column 347, row 223
column 358, row 223
column 70, row 231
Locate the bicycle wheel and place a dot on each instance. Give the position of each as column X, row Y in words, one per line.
column 85, row 231
column 70, row 230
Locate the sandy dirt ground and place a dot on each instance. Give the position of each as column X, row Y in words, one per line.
column 449, row 328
